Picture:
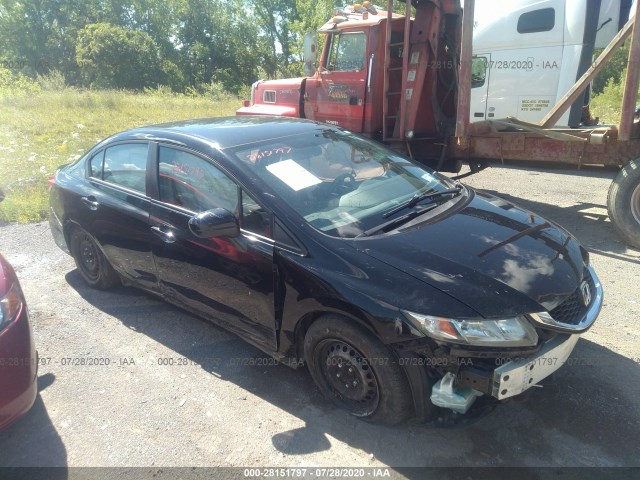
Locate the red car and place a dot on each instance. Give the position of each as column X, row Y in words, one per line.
column 18, row 357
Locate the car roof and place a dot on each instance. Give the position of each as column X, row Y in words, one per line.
column 223, row 132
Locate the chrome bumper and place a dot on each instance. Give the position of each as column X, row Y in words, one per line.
column 519, row 375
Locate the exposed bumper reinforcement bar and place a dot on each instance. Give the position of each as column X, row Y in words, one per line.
column 519, row 375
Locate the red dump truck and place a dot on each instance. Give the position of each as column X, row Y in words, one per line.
column 405, row 80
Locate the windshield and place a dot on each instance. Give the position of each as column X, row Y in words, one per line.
column 339, row 182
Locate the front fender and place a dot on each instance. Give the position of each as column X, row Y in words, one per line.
column 373, row 298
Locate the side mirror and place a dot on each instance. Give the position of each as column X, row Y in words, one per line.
column 215, row 223
column 310, row 53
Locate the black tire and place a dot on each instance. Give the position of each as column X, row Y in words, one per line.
column 623, row 203
column 94, row 268
column 375, row 388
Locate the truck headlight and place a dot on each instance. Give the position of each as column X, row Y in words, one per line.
column 10, row 306
column 503, row 332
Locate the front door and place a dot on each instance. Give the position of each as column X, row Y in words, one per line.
column 337, row 93
column 229, row 279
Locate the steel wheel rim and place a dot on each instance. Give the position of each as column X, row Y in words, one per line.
column 89, row 260
column 635, row 204
column 348, row 376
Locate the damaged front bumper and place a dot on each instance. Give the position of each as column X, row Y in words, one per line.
column 509, row 379
column 459, row 375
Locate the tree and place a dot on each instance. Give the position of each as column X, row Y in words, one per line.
column 313, row 14
column 110, row 56
column 613, row 70
column 218, row 42
column 276, row 18
column 180, row 43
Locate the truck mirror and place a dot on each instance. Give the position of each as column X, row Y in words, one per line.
column 310, row 53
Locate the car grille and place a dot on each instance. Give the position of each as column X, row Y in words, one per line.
column 573, row 309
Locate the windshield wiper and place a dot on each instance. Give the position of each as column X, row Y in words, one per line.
column 396, row 222
column 419, row 197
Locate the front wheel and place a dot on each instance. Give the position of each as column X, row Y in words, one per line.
column 93, row 266
column 357, row 372
column 623, row 203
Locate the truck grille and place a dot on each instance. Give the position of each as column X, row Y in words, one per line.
column 573, row 309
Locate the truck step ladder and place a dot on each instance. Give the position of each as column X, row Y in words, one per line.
column 394, row 101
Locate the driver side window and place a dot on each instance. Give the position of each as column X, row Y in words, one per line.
column 193, row 183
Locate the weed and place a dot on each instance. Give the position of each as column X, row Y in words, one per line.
column 49, row 126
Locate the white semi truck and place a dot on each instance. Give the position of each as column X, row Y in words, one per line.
column 529, row 53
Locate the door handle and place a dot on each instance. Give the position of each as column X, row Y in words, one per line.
column 165, row 236
column 90, row 202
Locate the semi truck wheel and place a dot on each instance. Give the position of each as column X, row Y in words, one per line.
column 623, row 203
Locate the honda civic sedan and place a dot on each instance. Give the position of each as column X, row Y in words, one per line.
column 405, row 294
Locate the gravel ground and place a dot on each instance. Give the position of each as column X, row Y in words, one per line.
column 217, row 404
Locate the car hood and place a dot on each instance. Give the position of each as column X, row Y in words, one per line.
column 493, row 256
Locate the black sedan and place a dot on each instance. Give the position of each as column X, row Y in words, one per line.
column 404, row 293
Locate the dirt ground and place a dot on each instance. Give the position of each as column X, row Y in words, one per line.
column 179, row 391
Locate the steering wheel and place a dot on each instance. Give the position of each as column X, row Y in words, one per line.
column 343, row 184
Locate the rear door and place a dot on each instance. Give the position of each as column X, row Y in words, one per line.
column 337, row 93
column 115, row 209
column 229, row 279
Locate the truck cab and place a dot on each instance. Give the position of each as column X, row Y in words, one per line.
column 388, row 76
column 345, row 82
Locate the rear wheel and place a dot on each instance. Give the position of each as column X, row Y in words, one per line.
column 623, row 203
column 357, row 372
column 94, row 268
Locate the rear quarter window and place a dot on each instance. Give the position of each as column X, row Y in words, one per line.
column 95, row 165
column 126, row 165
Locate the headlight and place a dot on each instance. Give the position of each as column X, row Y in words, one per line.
column 10, row 306
column 504, row 332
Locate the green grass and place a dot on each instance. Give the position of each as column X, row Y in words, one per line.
column 608, row 104
column 42, row 130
